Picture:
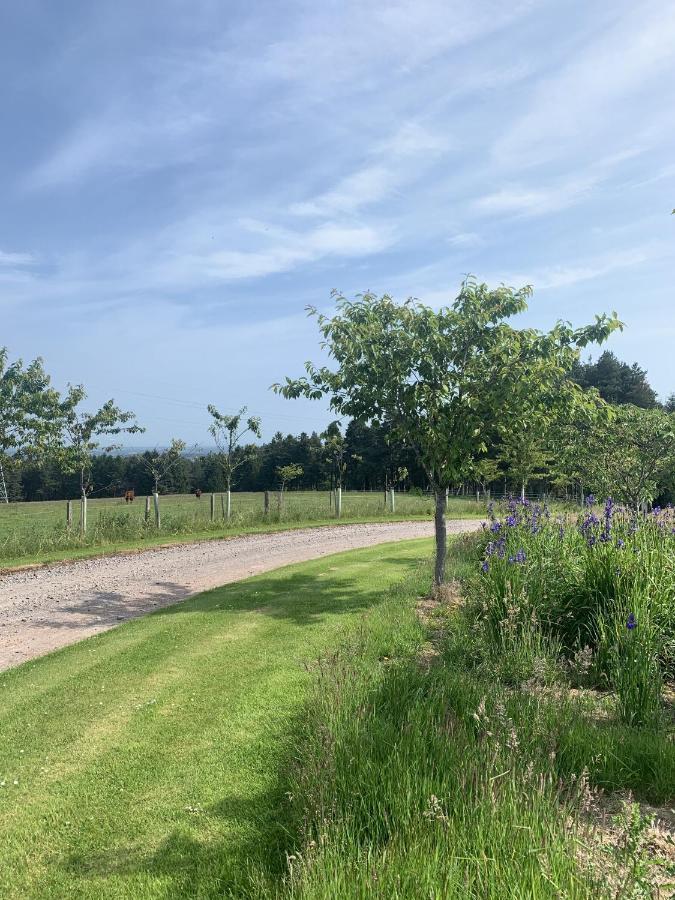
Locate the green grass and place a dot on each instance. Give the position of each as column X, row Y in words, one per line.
column 151, row 761
column 36, row 532
column 447, row 782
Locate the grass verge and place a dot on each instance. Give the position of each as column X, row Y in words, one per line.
column 446, row 781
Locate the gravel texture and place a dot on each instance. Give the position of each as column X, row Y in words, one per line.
column 45, row 608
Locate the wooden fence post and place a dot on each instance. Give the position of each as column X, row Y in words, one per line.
column 147, row 508
column 213, row 507
column 266, row 503
column 69, row 514
column 158, row 520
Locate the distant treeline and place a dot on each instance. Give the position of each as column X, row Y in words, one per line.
column 370, row 464
column 368, row 459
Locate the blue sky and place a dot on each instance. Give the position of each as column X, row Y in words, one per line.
column 179, row 180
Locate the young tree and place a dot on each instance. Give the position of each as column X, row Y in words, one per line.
column 158, row 463
column 28, row 411
column 523, row 454
column 442, row 379
column 81, row 436
column 486, row 471
column 630, row 457
column 288, row 473
column 227, row 432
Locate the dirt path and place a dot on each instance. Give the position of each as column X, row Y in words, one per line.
column 47, row 608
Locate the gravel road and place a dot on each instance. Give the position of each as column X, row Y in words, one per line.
column 46, row 608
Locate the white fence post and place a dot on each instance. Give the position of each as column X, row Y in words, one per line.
column 158, row 520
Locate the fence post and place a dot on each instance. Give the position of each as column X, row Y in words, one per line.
column 229, row 504
column 392, row 500
column 83, row 514
column 266, row 503
column 477, row 496
column 147, row 508
column 338, row 502
column 158, row 520
column 213, row 507
column 69, row 514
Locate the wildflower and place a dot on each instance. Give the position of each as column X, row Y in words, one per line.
column 631, row 623
column 620, row 544
column 590, row 500
column 511, row 521
column 485, row 566
column 496, row 527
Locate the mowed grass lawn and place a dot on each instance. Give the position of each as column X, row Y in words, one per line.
column 149, row 761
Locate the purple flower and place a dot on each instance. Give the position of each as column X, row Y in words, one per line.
column 631, row 623
column 620, row 544
column 511, row 521
column 485, row 566
column 496, row 527
column 590, row 500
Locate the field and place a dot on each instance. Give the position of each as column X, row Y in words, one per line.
column 36, row 532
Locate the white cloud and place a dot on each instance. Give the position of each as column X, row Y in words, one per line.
column 559, row 276
column 590, row 95
column 16, row 259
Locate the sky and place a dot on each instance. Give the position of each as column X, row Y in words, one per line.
column 179, row 180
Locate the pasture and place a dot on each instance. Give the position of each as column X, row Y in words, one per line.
column 37, row 532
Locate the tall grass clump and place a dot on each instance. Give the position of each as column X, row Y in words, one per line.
column 599, row 590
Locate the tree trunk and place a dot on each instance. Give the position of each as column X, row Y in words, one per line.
column 441, row 536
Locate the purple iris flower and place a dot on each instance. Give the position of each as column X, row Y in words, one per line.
column 631, row 623
column 511, row 521
column 485, row 566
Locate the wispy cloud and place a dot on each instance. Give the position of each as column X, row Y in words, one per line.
column 589, row 95
column 551, row 277
column 16, row 259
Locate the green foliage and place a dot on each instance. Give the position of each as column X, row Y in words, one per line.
column 630, row 457
column 81, row 433
column 616, row 381
column 288, row 473
column 443, row 380
column 160, row 463
column 227, row 432
column 28, row 406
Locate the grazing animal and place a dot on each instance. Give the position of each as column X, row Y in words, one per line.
column 129, row 497
column 198, row 493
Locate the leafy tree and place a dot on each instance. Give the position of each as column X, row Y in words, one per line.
column 28, row 409
column 486, row 471
column 82, row 433
column 227, row 432
column 523, row 453
column 288, row 473
column 669, row 405
column 159, row 463
column 616, row 381
column 630, row 457
column 442, row 378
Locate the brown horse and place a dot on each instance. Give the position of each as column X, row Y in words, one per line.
column 198, row 493
column 129, row 497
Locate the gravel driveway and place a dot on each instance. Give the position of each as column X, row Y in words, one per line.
column 46, row 608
